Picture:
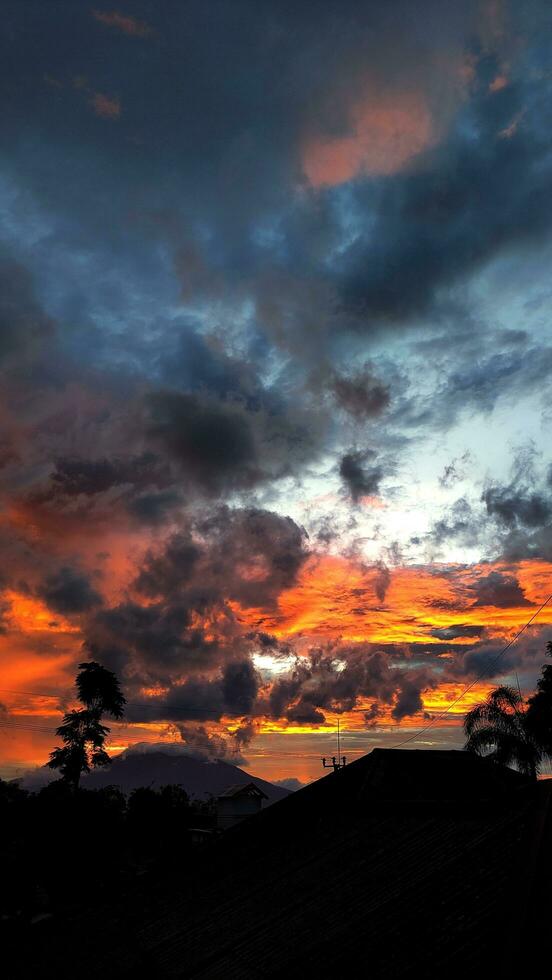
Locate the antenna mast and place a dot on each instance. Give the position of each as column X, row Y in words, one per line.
column 341, row 761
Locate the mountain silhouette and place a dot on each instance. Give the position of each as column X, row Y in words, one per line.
column 200, row 778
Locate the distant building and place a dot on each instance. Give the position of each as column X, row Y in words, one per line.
column 238, row 802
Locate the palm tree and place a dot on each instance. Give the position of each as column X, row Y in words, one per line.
column 82, row 732
column 498, row 729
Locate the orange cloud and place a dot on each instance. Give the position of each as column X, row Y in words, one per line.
column 382, row 138
column 334, row 598
column 27, row 614
column 123, row 22
column 337, row 598
column 105, row 106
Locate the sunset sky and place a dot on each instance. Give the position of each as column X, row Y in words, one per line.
column 276, row 361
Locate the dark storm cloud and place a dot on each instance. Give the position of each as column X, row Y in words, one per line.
column 519, row 544
column 335, row 681
column 154, row 508
column 232, row 434
column 512, row 520
column 168, row 572
column 213, row 443
column 247, row 556
column 514, row 505
column 238, row 236
column 304, row 713
column 254, row 554
column 231, row 691
column 74, row 476
column 360, row 479
column 154, row 643
column 409, row 699
column 69, row 591
column 521, row 510
column 240, row 685
column 198, row 366
column 489, row 659
column 500, row 590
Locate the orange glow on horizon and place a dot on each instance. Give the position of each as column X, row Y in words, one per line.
column 334, row 599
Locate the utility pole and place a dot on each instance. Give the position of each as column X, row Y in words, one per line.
column 341, row 761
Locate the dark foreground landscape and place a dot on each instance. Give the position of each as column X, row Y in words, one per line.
column 403, row 864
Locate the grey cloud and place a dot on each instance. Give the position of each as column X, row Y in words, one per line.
column 188, row 624
column 68, row 591
column 454, row 471
column 461, row 523
column 223, row 446
column 214, row 444
column 409, row 699
column 336, row 680
column 209, row 746
column 155, row 507
column 359, row 479
column 171, row 570
column 457, row 631
column 232, row 691
column 362, row 395
column 305, row 713
column 73, row 476
column 498, row 589
column 155, row 642
column 514, row 505
column 240, row 685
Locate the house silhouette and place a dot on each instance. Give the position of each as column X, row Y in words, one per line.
column 237, row 802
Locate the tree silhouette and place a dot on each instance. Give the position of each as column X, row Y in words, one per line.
column 498, row 728
column 539, row 708
column 82, row 732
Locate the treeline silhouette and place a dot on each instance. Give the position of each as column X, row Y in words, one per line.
column 65, row 850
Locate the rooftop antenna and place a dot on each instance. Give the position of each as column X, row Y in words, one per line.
column 341, row 761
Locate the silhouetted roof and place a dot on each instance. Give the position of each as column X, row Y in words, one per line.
column 404, row 863
column 249, row 789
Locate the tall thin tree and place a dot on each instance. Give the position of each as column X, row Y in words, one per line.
column 82, row 732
